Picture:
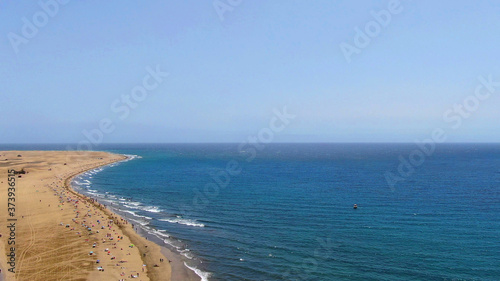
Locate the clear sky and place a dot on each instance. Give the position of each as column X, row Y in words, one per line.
column 227, row 75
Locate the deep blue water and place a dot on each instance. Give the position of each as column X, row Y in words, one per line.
column 288, row 214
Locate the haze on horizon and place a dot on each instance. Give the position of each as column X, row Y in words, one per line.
column 430, row 65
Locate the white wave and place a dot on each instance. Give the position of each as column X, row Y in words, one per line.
column 172, row 243
column 130, row 157
column 159, row 233
column 137, row 205
column 203, row 275
column 137, row 215
column 184, row 222
column 132, row 205
column 152, row 209
column 143, row 223
column 187, row 254
column 130, row 212
column 164, row 235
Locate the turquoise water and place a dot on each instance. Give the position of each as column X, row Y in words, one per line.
column 288, row 214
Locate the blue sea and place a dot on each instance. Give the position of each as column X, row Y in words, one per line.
column 285, row 211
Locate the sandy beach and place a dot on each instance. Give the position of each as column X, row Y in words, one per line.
column 63, row 235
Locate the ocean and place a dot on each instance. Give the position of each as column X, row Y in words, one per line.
column 285, row 211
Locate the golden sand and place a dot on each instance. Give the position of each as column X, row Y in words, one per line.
column 52, row 239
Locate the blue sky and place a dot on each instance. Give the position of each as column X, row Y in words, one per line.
column 227, row 76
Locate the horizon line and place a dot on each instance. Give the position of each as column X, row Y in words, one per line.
column 282, row 142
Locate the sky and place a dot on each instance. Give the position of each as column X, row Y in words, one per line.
column 67, row 68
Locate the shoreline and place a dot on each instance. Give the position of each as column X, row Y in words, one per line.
column 46, row 201
column 58, row 234
column 136, row 239
column 179, row 271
